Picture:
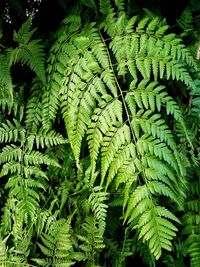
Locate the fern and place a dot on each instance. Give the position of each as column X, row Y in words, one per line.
column 98, row 206
column 12, row 132
column 3, row 251
column 123, row 122
column 186, row 21
column 196, row 99
column 34, row 106
column 54, row 71
column 57, row 246
column 90, row 239
column 26, row 180
column 141, row 202
column 191, row 224
column 29, row 52
column 119, row 252
column 97, row 157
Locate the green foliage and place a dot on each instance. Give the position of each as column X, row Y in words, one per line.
column 125, row 127
column 6, row 87
column 57, row 245
column 191, row 222
column 29, row 52
column 189, row 21
column 100, row 158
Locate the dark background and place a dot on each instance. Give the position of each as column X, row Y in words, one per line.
column 49, row 13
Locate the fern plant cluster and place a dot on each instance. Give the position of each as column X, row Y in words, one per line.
column 100, row 164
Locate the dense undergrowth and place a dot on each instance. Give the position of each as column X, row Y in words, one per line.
column 100, row 152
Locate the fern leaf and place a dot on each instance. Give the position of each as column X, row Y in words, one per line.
column 113, row 140
column 11, row 132
column 151, row 221
column 32, row 55
column 29, row 52
column 36, row 157
column 24, row 34
column 57, row 247
column 34, row 107
column 97, row 199
column 46, row 139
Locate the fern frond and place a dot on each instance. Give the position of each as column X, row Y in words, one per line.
column 46, row 139
column 44, row 221
column 152, row 220
column 97, row 200
column 10, row 153
column 3, row 250
column 57, row 246
column 57, row 65
column 185, row 21
column 90, row 238
column 191, row 222
column 154, row 147
column 123, row 158
column 120, row 4
column 11, row 132
column 114, row 138
column 104, row 116
column 36, row 157
column 32, row 55
column 34, row 107
column 29, row 52
column 150, row 55
column 24, row 34
column 105, row 7
column 10, row 167
column 28, row 206
column 194, row 251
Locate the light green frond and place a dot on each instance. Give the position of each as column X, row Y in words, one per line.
column 10, row 153
column 149, row 54
column 124, row 156
column 3, row 250
column 154, row 147
column 11, row 132
column 29, row 52
column 32, row 55
column 36, row 157
column 152, row 221
column 58, row 65
column 56, row 246
column 48, row 138
column 10, row 167
column 97, row 200
column 108, row 112
column 44, row 221
column 28, row 207
column 115, row 137
column 34, row 107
